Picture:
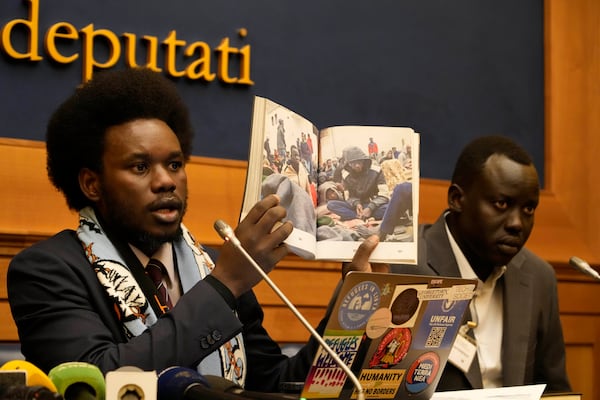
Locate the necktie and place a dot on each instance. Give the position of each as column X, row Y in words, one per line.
column 156, row 271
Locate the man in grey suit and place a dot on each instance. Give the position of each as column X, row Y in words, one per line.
column 512, row 335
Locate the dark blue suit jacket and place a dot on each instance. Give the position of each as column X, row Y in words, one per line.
column 63, row 314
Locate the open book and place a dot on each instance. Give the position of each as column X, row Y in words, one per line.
column 339, row 184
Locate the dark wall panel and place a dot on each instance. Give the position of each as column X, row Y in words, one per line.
column 452, row 70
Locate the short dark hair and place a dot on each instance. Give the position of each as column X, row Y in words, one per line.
column 75, row 132
column 473, row 157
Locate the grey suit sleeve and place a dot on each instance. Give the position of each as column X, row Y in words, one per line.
column 550, row 351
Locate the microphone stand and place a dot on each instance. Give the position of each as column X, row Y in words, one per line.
column 226, row 232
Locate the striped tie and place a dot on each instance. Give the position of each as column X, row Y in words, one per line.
column 156, row 271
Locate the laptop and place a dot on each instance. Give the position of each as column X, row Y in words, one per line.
column 394, row 331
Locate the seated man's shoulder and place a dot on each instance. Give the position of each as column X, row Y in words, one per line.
column 65, row 237
column 63, row 242
column 533, row 264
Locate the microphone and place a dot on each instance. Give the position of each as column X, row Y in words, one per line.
column 188, row 384
column 78, row 381
column 131, row 383
column 12, row 378
column 36, row 392
column 583, row 267
column 34, row 375
column 227, row 234
column 224, row 385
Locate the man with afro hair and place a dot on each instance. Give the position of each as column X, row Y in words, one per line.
column 117, row 150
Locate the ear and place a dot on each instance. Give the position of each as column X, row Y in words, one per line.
column 89, row 183
column 455, row 198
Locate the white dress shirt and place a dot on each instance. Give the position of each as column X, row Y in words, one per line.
column 486, row 311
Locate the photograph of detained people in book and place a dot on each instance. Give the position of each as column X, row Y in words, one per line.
column 365, row 185
column 339, row 185
column 290, row 166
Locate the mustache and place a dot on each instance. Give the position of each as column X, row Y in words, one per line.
column 171, row 202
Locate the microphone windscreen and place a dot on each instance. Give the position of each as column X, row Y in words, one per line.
column 188, row 384
column 78, row 381
column 174, row 381
column 130, row 382
column 35, row 376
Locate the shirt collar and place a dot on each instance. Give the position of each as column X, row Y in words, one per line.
column 465, row 268
column 164, row 254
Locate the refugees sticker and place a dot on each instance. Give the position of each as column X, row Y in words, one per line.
column 358, row 305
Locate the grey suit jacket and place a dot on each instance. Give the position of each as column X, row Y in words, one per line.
column 532, row 340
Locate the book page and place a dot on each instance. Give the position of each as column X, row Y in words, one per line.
column 372, row 189
column 283, row 160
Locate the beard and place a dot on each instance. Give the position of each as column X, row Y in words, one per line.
column 149, row 243
column 124, row 225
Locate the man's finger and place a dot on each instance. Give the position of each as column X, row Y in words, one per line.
column 380, row 267
column 260, row 208
column 281, row 230
column 365, row 250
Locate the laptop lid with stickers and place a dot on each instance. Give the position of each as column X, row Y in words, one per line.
column 394, row 331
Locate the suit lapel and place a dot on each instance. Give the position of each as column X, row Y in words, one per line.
column 440, row 259
column 517, row 303
column 439, row 254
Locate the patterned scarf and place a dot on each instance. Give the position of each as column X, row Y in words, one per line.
column 134, row 310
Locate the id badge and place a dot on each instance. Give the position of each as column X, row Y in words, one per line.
column 463, row 352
